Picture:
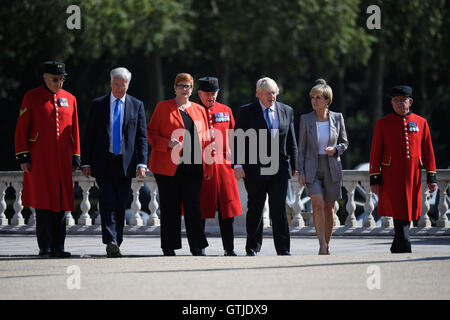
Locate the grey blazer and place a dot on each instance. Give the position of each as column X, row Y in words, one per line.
column 308, row 145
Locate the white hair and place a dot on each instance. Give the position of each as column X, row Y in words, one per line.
column 266, row 83
column 121, row 73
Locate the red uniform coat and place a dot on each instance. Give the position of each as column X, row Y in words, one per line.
column 167, row 123
column 222, row 186
column 401, row 146
column 47, row 129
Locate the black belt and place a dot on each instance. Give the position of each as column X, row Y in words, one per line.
column 114, row 156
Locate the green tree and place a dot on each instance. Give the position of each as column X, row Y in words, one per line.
column 148, row 29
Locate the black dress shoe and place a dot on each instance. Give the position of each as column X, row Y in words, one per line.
column 284, row 253
column 44, row 252
column 230, row 253
column 60, row 254
column 251, row 252
column 198, row 252
column 169, row 252
column 112, row 250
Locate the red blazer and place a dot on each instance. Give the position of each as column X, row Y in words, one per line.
column 47, row 130
column 401, row 147
column 163, row 125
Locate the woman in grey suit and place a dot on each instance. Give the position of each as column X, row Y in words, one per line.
column 322, row 140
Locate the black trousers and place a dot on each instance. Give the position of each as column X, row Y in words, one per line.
column 226, row 231
column 401, row 243
column 175, row 193
column 50, row 229
column 115, row 192
column 276, row 188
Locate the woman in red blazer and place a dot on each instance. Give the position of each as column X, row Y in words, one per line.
column 177, row 133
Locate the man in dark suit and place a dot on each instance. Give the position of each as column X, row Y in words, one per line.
column 265, row 155
column 114, row 151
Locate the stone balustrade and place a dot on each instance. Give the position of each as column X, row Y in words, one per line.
column 300, row 220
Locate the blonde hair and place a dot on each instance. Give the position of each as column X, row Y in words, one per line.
column 322, row 88
column 184, row 77
column 266, row 83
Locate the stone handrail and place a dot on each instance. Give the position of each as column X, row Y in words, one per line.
column 298, row 224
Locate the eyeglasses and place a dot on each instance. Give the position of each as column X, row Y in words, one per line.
column 397, row 100
column 184, row 86
column 56, row 79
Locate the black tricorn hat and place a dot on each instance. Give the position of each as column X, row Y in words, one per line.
column 401, row 91
column 208, row 84
column 54, row 67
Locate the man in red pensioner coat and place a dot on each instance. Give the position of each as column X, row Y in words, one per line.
column 47, row 146
column 221, row 191
column 401, row 146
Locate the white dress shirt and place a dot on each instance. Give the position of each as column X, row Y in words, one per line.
column 323, row 135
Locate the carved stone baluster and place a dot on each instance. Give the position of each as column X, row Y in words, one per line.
column 98, row 218
column 212, row 222
column 70, row 221
column 85, row 205
column 350, row 207
column 136, row 219
column 18, row 219
column 443, row 206
column 369, row 221
column 337, row 223
column 240, row 220
column 153, row 205
column 387, row 222
column 424, row 220
column 32, row 218
column 3, row 206
column 297, row 219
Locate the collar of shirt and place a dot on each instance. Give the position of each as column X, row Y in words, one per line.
column 273, row 116
column 263, row 107
column 112, row 99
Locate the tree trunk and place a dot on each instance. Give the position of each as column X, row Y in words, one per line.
column 421, row 104
column 155, row 79
column 376, row 76
column 342, row 107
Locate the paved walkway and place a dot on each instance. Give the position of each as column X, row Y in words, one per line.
column 149, row 245
column 359, row 268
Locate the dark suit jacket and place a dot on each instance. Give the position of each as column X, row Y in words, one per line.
column 95, row 146
column 251, row 116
